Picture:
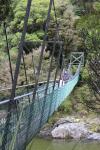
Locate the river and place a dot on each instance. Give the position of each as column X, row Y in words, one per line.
column 45, row 144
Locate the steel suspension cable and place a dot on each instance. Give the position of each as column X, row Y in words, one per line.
column 58, row 36
column 6, row 131
column 8, row 51
column 49, row 73
column 47, row 85
column 54, row 83
column 43, row 47
column 39, row 68
column 20, row 49
column 25, row 75
column 56, row 21
column 57, row 68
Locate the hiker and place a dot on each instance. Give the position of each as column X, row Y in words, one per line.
column 64, row 77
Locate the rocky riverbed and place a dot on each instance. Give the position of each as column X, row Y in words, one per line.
column 72, row 127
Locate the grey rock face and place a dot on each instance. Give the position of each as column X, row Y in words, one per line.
column 94, row 136
column 70, row 130
column 72, row 127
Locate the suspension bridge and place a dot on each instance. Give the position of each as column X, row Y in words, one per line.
column 24, row 115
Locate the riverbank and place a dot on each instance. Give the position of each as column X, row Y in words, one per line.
column 74, row 119
column 73, row 127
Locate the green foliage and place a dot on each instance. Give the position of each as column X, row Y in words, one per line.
column 79, row 97
column 85, row 74
column 97, row 6
column 66, row 21
column 37, row 15
column 14, row 39
column 4, row 9
column 65, row 107
column 84, row 7
column 89, row 28
column 36, row 20
column 36, row 36
column 32, row 37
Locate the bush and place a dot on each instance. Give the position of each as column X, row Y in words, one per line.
column 65, row 107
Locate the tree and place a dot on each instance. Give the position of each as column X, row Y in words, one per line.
column 94, row 82
column 89, row 29
column 4, row 9
column 66, row 25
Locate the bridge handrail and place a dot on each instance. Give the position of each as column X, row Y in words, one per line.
column 30, row 93
column 32, row 84
column 22, row 96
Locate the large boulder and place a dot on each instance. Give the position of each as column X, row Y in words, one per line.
column 74, row 128
column 70, row 130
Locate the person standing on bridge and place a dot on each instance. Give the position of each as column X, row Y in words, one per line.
column 65, row 76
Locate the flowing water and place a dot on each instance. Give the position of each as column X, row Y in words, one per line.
column 44, row 144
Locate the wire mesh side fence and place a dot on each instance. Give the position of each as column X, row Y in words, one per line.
column 19, row 125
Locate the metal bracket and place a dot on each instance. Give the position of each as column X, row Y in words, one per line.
column 76, row 58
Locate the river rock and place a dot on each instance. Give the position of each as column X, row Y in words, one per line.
column 68, row 119
column 70, row 130
column 74, row 127
column 46, row 133
column 94, row 136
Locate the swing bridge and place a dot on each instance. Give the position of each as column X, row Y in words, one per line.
column 23, row 115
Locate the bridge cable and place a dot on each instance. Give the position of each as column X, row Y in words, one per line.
column 60, row 49
column 25, row 69
column 12, row 103
column 60, row 52
column 26, row 78
column 25, row 72
column 47, row 85
column 39, row 68
column 8, row 51
column 10, row 59
column 50, row 67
